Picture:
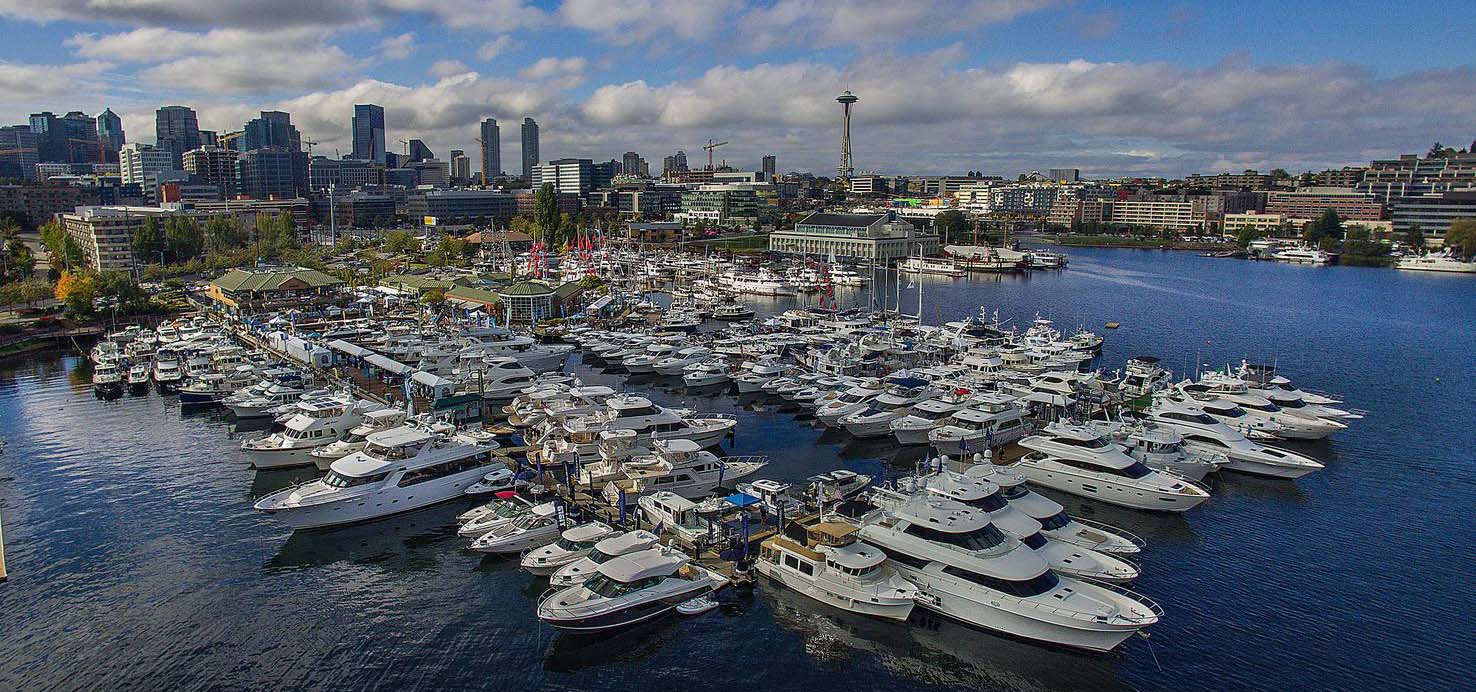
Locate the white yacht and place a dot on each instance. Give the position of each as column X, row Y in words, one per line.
column 475, row 522
column 316, row 424
column 535, row 529
column 832, row 567
column 834, row 486
column 752, row 378
column 1302, row 255
column 1054, row 521
column 675, row 364
column 678, row 516
column 1204, row 432
column 984, row 495
column 876, row 419
column 1162, row 449
column 573, row 544
column 1436, row 263
column 853, row 400
column 1077, row 460
column 649, row 421
column 498, row 342
column 645, row 361
column 167, row 373
column 496, row 378
column 398, row 470
column 973, row 572
column 709, row 372
column 732, row 312
column 625, row 543
column 1143, row 376
column 922, row 419
column 991, row 421
column 358, row 436
column 499, row 480
column 138, row 377
column 256, row 404
column 106, row 375
column 678, row 466
column 628, row 589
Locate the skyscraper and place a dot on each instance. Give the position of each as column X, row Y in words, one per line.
column 176, row 130
column 50, row 144
column 17, row 152
column 369, row 132
column 460, row 167
column 681, row 161
column 80, row 137
column 215, row 166
column 530, row 147
column 271, row 129
column 770, row 167
column 491, row 150
column 420, row 152
column 631, row 163
column 110, row 132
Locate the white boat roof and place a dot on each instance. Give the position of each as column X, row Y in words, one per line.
column 677, row 445
column 857, row 555
column 587, row 532
column 1072, row 432
column 672, row 500
column 401, row 436
column 942, row 515
column 937, row 405
column 977, row 415
column 961, row 487
column 627, row 542
column 1156, row 433
column 386, row 415
column 644, row 564
column 624, row 402
column 769, row 486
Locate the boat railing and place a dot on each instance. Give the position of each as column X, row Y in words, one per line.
column 1145, row 601
column 1112, row 531
column 745, row 459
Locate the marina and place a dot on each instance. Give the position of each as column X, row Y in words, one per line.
column 599, row 421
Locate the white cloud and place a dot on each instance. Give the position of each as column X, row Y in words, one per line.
column 397, row 47
column 447, row 68
column 227, row 13
column 22, row 81
column 237, row 61
column 629, row 22
column 498, row 46
column 546, row 68
column 862, row 23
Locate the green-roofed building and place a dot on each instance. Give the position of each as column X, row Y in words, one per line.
column 415, row 285
column 246, row 291
column 527, row 302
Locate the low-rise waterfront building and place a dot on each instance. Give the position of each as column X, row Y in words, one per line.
column 248, row 291
column 880, row 237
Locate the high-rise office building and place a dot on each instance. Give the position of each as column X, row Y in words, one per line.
column 369, row 132
column 770, row 167
column 420, row 152
column 17, row 152
column 460, row 167
column 271, row 129
column 110, row 132
column 141, row 163
column 530, row 147
column 208, row 138
column 681, row 161
column 630, row 163
column 266, row 172
column 176, row 130
column 50, row 139
column 491, row 150
column 80, row 137
column 570, row 176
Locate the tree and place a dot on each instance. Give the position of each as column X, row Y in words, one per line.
column 1415, row 237
column 1247, row 235
column 184, row 239
column 950, row 224
column 77, row 292
column 64, row 252
column 1462, row 237
column 148, row 242
column 546, row 214
column 400, row 242
column 19, row 261
column 434, row 296
column 119, row 288
column 223, row 233
column 1328, row 225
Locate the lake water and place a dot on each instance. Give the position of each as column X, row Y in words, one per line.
column 137, row 562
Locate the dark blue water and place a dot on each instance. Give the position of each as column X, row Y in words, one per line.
column 137, row 562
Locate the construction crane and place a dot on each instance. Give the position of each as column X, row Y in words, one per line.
column 309, row 144
column 711, row 144
column 407, row 147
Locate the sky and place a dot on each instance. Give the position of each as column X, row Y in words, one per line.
column 1004, row 86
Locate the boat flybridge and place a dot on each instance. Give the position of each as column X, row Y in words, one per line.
column 398, row 470
column 1079, row 460
column 1162, row 449
column 315, row 424
column 1054, row 521
column 991, row 420
column 357, row 437
column 853, row 400
column 679, row 466
column 972, row 571
column 628, row 589
column 986, row 496
column 876, row 419
column 824, row 561
column 495, row 342
column 648, row 420
column 1204, row 432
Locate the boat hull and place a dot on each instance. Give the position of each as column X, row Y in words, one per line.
column 889, row 608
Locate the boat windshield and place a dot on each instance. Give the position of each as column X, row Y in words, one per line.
column 389, row 453
column 1034, row 540
column 983, row 538
column 1055, row 521
column 335, row 479
column 571, row 546
column 993, row 502
column 1015, row 492
column 606, row 587
column 1134, row 470
column 1268, row 407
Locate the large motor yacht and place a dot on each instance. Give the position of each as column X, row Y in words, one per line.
column 1078, row 460
column 973, row 572
column 398, row 470
column 649, row 421
column 258, row 404
column 828, row 564
column 1054, row 521
column 1202, row 431
column 316, row 424
column 922, row 419
column 1162, row 449
column 358, row 436
column 628, row 589
column 497, row 342
column 496, row 379
column 992, row 420
column 678, row 466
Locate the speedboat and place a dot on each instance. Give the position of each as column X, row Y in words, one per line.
column 710, row 372
column 398, row 470
column 579, row 570
column 897, row 401
column 497, row 480
column 573, row 544
column 629, row 589
column 477, row 521
column 532, row 530
column 256, row 405
column 828, row 564
column 853, row 400
column 1078, row 460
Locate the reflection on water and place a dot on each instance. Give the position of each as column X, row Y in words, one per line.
column 410, row 542
column 936, row 650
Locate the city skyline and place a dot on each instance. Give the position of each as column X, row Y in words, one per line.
column 1000, row 86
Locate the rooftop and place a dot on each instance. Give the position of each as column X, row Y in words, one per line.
column 253, row 280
